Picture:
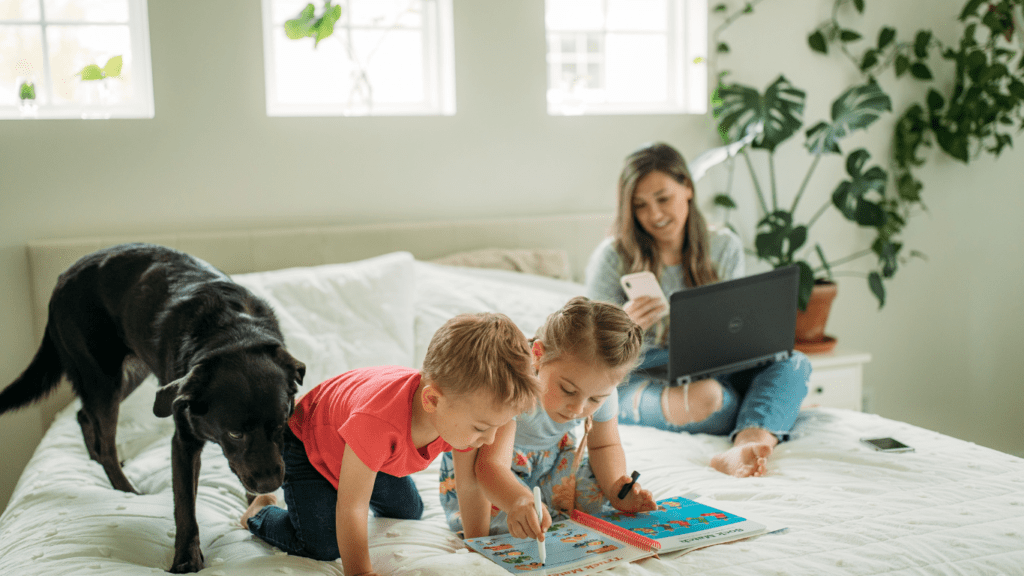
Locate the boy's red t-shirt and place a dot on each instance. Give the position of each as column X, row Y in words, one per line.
column 369, row 409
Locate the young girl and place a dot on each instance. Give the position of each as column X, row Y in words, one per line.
column 581, row 353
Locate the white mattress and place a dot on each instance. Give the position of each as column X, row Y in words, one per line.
column 951, row 507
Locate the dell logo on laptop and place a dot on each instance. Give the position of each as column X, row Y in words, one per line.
column 736, row 324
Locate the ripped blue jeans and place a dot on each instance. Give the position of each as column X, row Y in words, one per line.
column 766, row 397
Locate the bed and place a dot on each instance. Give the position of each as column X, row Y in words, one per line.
column 350, row 296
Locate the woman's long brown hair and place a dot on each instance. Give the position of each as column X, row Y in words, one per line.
column 637, row 248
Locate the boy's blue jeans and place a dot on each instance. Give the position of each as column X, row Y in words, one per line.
column 766, row 397
column 307, row 528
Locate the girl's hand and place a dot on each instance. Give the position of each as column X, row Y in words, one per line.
column 645, row 311
column 523, row 521
column 637, row 500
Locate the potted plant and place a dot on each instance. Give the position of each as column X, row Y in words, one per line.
column 27, row 97
column 985, row 100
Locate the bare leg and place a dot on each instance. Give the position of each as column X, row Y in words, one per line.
column 748, row 455
column 257, row 504
column 693, row 402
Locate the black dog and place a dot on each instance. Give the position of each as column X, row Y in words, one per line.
column 215, row 348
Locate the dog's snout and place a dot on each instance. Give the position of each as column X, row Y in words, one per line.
column 266, row 480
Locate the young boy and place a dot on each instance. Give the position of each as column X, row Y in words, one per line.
column 354, row 439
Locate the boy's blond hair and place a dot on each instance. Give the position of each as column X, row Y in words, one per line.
column 592, row 331
column 483, row 352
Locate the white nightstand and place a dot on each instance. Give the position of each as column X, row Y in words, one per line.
column 836, row 379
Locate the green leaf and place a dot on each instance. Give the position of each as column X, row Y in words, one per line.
column 851, row 197
column 325, row 26
column 302, row 26
column 869, row 60
column 774, row 232
column 909, row 188
column 954, row 143
column 112, row 68
column 921, row 41
column 779, row 110
column 722, row 48
column 902, row 64
column 1017, row 88
column 806, row 285
column 797, row 238
column 720, row 8
column 27, row 91
column 920, row 71
column 846, row 35
column 856, row 109
column 91, row 72
column 886, row 37
column 935, row 100
column 877, row 288
column 859, row 5
column 970, row 9
column 725, row 201
column 817, row 42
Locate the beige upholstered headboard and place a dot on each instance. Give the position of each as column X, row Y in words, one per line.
column 242, row 251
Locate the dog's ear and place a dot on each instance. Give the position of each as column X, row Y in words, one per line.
column 169, row 396
column 296, row 368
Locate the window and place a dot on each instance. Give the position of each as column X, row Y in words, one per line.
column 626, row 56
column 383, row 57
column 75, row 59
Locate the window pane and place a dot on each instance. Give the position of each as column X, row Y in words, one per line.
column 636, row 68
column 311, row 76
column 86, row 10
column 19, row 9
column 574, row 15
column 386, row 13
column 74, row 47
column 635, row 15
column 21, row 60
column 394, row 63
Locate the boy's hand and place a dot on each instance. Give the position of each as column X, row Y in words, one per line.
column 523, row 521
column 637, row 500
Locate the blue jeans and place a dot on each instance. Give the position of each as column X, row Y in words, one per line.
column 766, row 397
column 307, row 528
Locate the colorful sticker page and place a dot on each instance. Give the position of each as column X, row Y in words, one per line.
column 680, row 523
column 571, row 549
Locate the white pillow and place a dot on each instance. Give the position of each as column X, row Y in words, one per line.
column 338, row 317
column 445, row 291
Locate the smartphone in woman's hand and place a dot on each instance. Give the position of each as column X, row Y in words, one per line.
column 644, row 283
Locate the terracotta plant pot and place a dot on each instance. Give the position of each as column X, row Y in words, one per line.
column 810, row 323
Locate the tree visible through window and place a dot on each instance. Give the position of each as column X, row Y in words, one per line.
column 626, row 56
column 358, row 57
column 75, row 59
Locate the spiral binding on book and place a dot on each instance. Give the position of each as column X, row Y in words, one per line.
column 627, row 536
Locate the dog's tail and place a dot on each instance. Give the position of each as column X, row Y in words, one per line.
column 38, row 380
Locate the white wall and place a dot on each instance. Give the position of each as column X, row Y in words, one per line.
column 943, row 347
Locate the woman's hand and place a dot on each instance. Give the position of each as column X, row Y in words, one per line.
column 645, row 311
column 523, row 521
column 637, row 500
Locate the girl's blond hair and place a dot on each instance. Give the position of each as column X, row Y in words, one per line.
column 482, row 352
column 592, row 331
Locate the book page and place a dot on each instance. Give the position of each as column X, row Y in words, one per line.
column 571, row 549
column 680, row 523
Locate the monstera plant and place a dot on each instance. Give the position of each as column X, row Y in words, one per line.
column 781, row 238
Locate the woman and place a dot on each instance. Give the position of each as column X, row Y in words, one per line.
column 659, row 228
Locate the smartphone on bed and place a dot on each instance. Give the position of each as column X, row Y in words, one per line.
column 886, row 444
column 640, row 284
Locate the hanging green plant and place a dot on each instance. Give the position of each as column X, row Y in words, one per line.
column 27, row 91
column 308, row 25
column 111, row 69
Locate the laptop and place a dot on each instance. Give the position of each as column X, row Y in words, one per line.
column 732, row 325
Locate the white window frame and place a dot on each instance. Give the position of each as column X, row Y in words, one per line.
column 686, row 68
column 438, row 70
column 142, row 72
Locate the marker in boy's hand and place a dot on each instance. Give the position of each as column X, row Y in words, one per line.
column 628, row 485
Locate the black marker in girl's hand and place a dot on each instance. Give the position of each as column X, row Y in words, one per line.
column 628, row 485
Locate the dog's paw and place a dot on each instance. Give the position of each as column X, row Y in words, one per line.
column 191, row 561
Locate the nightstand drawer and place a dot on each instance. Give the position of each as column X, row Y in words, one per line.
column 836, row 381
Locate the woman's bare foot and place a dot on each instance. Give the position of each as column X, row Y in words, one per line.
column 257, row 504
column 748, row 455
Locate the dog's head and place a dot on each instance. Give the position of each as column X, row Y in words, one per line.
column 241, row 400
